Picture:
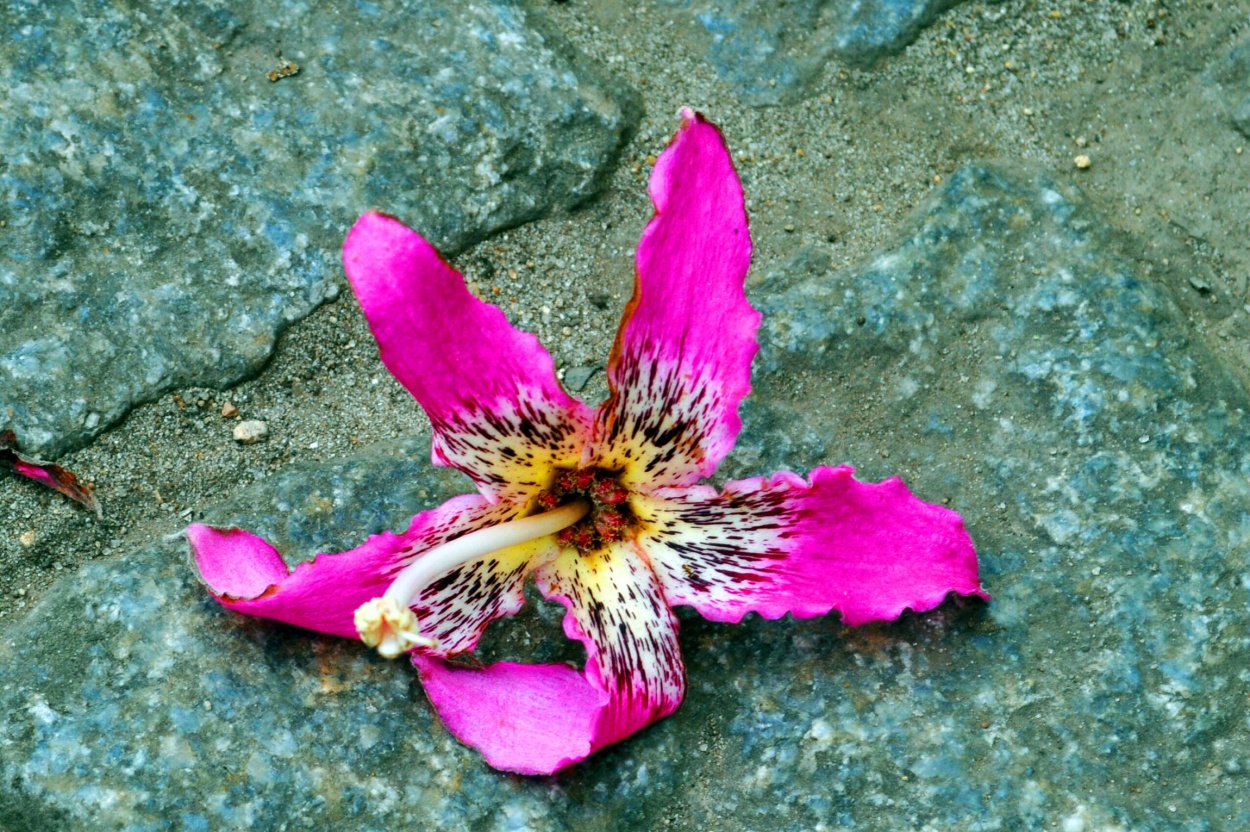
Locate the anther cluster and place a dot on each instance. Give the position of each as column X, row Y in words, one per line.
column 610, row 518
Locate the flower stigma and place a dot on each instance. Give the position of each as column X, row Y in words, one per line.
column 388, row 622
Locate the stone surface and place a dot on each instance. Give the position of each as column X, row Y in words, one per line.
column 1015, row 367
column 1007, row 361
column 770, row 51
column 167, row 209
column 1231, row 75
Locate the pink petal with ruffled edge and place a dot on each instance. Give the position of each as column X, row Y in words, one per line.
column 497, row 410
column 248, row 576
column 682, row 359
column 536, row 719
column 778, row 545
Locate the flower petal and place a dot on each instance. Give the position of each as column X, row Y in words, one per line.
column 617, row 610
column 778, row 545
column 53, row 476
column 247, row 575
column 682, row 360
column 536, row 719
column 526, row 718
column 497, row 410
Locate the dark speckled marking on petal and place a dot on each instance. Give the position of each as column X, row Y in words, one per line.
column 657, row 427
column 718, row 549
column 631, row 635
column 456, row 607
column 513, row 448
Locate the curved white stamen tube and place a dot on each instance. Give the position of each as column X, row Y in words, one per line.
column 482, row 542
column 388, row 624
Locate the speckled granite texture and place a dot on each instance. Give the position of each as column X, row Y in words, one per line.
column 167, row 208
column 1021, row 373
column 771, row 50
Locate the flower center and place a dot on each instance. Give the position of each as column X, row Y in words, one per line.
column 610, row 518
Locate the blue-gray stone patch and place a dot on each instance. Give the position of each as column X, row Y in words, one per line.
column 174, row 192
column 770, row 51
column 1231, row 76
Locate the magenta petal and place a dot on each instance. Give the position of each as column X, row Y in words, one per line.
column 536, row 719
column 682, row 360
column 248, row 576
column 38, row 473
column 530, row 719
column 883, row 549
column 498, row 412
column 779, row 545
column 234, row 563
column 617, row 610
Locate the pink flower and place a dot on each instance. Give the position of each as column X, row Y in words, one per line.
column 603, row 507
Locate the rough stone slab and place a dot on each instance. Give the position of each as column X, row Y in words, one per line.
column 1230, row 76
column 1008, row 361
column 166, row 209
column 770, row 50
column 1019, row 370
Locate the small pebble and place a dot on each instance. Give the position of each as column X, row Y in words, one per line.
column 27, row 539
column 251, row 431
column 283, row 70
column 1082, row 162
column 229, row 411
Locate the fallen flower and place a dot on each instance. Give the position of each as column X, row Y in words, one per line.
column 53, row 476
column 602, row 507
